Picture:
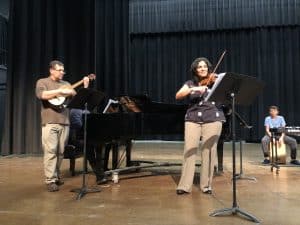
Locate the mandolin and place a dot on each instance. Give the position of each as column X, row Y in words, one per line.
column 59, row 100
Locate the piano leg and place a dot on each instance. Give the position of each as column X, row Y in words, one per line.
column 106, row 156
column 72, row 166
column 115, row 155
column 114, row 146
column 96, row 160
column 128, row 152
column 220, row 147
column 99, row 167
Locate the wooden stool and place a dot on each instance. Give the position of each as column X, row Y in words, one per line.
column 281, row 153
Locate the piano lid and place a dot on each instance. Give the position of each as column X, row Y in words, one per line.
column 145, row 103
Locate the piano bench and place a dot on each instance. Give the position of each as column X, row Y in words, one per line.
column 72, row 153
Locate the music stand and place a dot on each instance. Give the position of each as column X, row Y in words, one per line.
column 86, row 99
column 241, row 90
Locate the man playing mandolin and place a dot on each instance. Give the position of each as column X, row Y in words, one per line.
column 55, row 121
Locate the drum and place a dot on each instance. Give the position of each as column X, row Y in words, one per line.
column 281, row 153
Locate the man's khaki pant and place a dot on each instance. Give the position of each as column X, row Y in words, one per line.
column 209, row 133
column 54, row 140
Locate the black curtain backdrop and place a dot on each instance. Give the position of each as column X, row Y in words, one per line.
column 160, row 16
column 3, row 40
column 40, row 31
column 112, row 35
column 136, row 50
column 262, row 39
column 160, row 64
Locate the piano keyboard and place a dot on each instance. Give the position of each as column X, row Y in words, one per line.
column 292, row 130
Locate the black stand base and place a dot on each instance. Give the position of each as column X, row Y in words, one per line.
column 275, row 165
column 84, row 190
column 138, row 166
column 235, row 211
column 242, row 176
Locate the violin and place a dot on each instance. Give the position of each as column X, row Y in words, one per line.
column 211, row 78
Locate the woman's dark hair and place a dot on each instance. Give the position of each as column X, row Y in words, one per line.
column 194, row 66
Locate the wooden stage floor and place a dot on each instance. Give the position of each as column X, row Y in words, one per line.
column 148, row 197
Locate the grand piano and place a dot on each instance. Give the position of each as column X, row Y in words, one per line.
column 143, row 119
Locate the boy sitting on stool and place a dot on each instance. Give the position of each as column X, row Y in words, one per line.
column 276, row 121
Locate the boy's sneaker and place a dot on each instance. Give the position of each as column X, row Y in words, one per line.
column 295, row 162
column 52, row 187
column 266, row 161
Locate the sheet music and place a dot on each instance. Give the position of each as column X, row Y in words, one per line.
column 218, row 80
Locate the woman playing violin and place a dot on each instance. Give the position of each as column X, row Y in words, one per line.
column 202, row 120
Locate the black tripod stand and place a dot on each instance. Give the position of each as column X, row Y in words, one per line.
column 241, row 89
column 88, row 99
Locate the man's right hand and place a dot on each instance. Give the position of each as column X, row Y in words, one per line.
column 67, row 91
column 86, row 81
column 201, row 89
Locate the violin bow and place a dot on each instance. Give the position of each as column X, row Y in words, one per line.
column 220, row 60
